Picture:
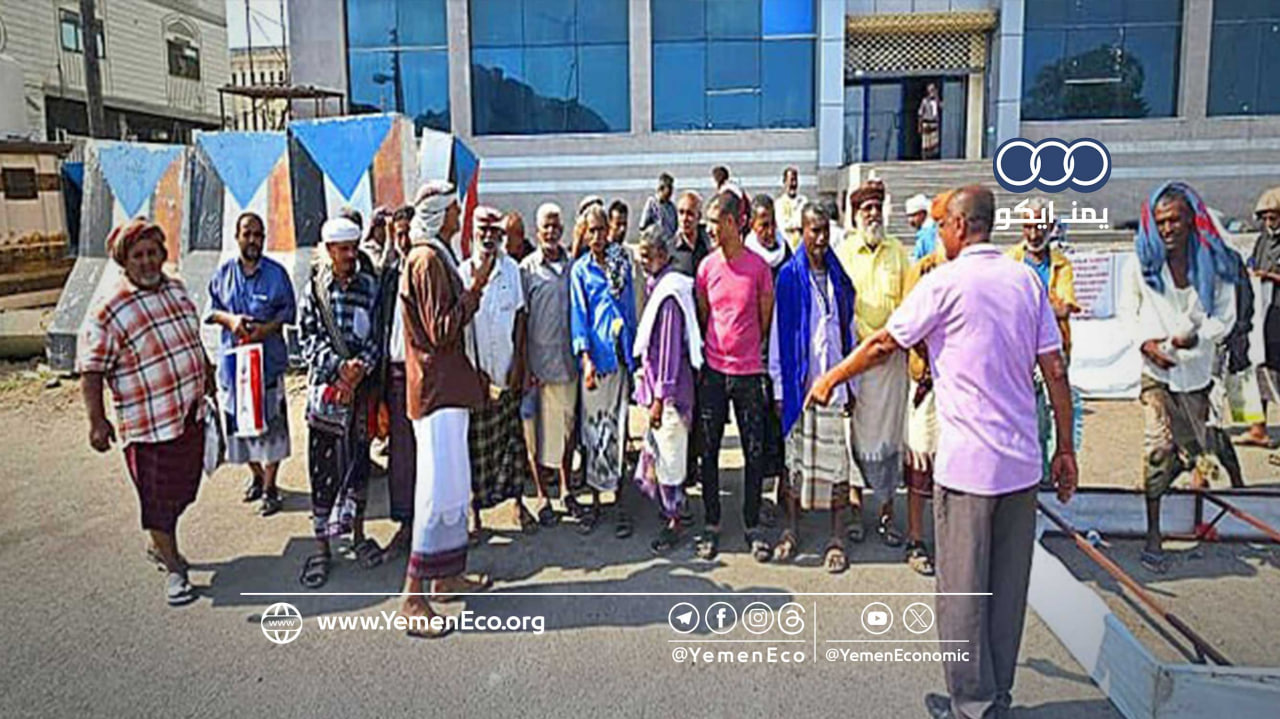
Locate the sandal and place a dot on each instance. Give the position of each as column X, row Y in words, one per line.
column 889, row 534
column 315, row 571
column 623, row 528
column 546, row 517
column 760, row 549
column 481, row 583
column 667, row 540
column 856, row 533
column 1155, row 562
column 252, row 489
column 834, row 558
column 574, row 507
column 429, row 633
column 919, row 560
column 587, row 522
column 367, row 553
column 707, row 545
column 785, row 550
column 271, row 503
column 528, row 523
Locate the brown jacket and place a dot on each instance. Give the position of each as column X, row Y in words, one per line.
column 437, row 308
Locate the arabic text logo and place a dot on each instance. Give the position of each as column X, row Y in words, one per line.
column 1051, row 165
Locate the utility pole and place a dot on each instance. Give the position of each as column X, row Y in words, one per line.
column 253, row 79
column 92, row 71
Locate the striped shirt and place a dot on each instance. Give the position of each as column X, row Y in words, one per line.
column 354, row 314
column 147, row 345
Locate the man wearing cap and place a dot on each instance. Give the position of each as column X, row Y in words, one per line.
column 144, row 343
column 340, row 342
column 442, row 387
column 1265, row 262
column 917, row 211
column 877, row 263
column 788, row 206
column 496, row 344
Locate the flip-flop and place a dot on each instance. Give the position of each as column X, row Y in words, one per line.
column 760, row 549
column 834, row 558
column 271, row 504
column 588, row 521
column 483, row 583
column 252, row 489
column 429, row 633
column 666, row 540
column 546, row 517
column 918, row 559
column 315, row 571
column 785, row 549
column 889, row 534
column 707, row 545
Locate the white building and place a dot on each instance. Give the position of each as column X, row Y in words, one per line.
column 162, row 62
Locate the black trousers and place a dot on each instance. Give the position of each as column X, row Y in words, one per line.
column 750, row 408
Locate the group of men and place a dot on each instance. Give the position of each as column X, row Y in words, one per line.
column 848, row 365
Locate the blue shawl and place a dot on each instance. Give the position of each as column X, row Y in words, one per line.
column 1207, row 255
column 793, row 297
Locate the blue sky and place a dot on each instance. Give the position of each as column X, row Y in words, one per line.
column 265, row 21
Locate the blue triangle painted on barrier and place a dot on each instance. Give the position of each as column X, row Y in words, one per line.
column 243, row 159
column 132, row 170
column 343, row 149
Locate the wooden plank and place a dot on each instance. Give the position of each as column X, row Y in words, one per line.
column 27, row 300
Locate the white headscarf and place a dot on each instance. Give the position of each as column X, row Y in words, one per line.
column 430, row 205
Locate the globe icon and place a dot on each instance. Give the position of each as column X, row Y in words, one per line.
column 281, row 623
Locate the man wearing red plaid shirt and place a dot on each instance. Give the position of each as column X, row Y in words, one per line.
column 144, row 343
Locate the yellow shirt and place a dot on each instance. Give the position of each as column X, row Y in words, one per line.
column 879, row 278
column 787, row 213
column 1062, row 287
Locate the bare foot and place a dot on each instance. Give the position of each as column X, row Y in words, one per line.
column 420, row 616
column 445, row 590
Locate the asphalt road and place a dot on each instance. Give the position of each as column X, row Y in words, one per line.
column 87, row 631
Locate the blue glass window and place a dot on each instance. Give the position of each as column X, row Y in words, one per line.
column 549, row 66
column 1244, row 55
column 398, row 59
column 733, row 64
column 1087, row 59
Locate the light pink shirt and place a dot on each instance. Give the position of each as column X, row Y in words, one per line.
column 734, row 341
column 984, row 318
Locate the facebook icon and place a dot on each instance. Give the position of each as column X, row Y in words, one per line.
column 721, row 617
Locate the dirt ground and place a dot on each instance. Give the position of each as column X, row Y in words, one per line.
column 1225, row 591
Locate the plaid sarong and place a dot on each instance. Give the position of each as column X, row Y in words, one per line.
column 167, row 475
column 819, row 462
column 499, row 459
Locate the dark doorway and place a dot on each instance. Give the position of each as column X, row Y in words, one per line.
column 882, row 119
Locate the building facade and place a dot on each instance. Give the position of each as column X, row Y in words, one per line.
column 256, row 67
column 562, row 98
column 161, row 64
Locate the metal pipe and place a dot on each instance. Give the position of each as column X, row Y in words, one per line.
column 1119, row 575
column 1245, row 517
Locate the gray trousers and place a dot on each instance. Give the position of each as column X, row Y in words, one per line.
column 984, row 544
